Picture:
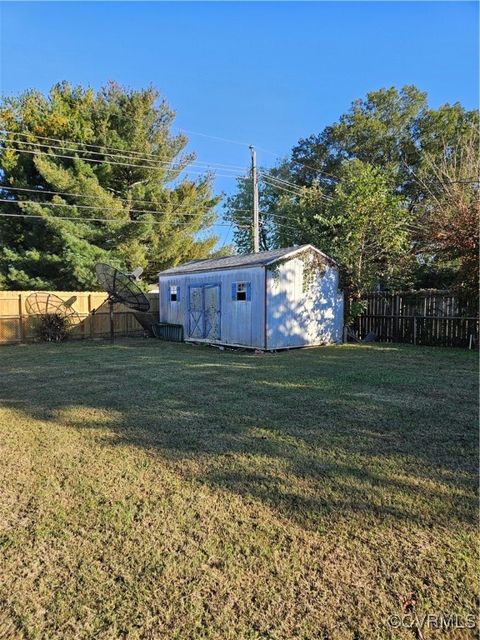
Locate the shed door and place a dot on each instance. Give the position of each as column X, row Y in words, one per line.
column 212, row 311
column 195, row 313
column 204, row 312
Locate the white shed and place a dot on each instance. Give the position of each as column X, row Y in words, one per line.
column 268, row 300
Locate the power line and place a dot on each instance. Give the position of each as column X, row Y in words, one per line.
column 276, row 215
column 280, row 225
column 109, row 220
column 246, row 144
column 86, row 206
column 123, row 152
column 245, row 224
column 277, row 186
column 77, row 219
column 85, row 144
column 170, row 164
column 291, row 191
column 206, row 135
column 279, row 155
column 80, row 195
column 280, row 181
column 46, row 145
column 286, row 183
column 146, row 155
column 274, row 153
column 109, row 162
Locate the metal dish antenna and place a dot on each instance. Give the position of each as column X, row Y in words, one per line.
column 50, row 307
column 121, row 288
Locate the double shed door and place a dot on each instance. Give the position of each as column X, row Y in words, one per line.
column 204, row 312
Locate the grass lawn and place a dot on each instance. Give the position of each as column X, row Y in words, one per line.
column 162, row 491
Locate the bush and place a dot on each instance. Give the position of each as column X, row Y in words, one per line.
column 52, row 328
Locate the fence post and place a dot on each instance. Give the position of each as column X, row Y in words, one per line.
column 90, row 315
column 415, row 330
column 20, row 319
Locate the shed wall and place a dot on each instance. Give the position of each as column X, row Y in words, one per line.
column 242, row 322
column 299, row 315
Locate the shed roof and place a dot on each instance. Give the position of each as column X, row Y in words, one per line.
column 262, row 258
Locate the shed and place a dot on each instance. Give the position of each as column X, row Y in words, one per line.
column 269, row 300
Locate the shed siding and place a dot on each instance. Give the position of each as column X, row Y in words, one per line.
column 242, row 322
column 297, row 318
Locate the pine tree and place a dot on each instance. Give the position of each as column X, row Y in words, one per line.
column 121, row 164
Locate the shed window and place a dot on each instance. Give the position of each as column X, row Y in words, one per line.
column 174, row 293
column 241, row 291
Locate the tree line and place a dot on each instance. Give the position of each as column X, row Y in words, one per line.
column 390, row 191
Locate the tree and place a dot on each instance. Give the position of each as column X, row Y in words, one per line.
column 448, row 219
column 364, row 227
column 109, row 156
column 397, row 132
column 378, row 129
column 392, row 131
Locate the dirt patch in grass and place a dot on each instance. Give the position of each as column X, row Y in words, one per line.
column 167, row 491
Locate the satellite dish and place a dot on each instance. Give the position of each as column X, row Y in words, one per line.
column 122, row 288
column 41, row 303
column 51, row 309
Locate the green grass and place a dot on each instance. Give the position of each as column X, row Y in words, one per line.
column 161, row 491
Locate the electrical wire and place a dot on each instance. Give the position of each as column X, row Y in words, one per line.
column 86, row 206
column 77, row 219
column 272, row 181
column 175, row 167
column 278, row 225
column 142, row 155
column 277, row 186
column 79, row 195
column 246, row 144
column 297, row 193
column 112, row 220
column 108, row 162
column 61, row 204
column 206, row 135
column 290, row 184
column 279, row 180
column 122, row 153
column 229, row 230
column 291, row 160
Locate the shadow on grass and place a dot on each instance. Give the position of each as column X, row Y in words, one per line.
column 317, row 435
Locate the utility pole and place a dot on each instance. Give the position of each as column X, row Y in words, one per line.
column 256, row 223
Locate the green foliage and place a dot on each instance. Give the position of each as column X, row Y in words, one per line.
column 143, row 185
column 379, row 157
column 238, row 211
column 52, row 327
column 364, row 228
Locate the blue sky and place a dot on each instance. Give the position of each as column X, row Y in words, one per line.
column 262, row 73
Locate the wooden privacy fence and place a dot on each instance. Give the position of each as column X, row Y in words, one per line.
column 436, row 318
column 16, row 325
